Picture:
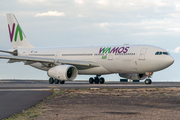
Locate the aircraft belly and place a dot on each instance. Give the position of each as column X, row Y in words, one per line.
column 125, row 64
column 130, row 66
column 94, row 71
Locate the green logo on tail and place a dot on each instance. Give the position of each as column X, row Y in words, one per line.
column 18, row 30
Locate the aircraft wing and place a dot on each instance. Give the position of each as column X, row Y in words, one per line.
column 48, row 61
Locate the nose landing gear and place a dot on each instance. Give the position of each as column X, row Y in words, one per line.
column 148, row 81
column 97, row 80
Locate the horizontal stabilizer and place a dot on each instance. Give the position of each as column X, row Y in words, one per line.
column 10, row 52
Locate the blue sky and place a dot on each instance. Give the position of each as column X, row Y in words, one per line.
column 93, row 22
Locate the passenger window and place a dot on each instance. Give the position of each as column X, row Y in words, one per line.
column 160, row 53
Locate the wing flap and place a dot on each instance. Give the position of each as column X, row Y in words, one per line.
column 30, row 60
column 13, row 61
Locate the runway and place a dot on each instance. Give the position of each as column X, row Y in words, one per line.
column 40, row 85
column 18, row 95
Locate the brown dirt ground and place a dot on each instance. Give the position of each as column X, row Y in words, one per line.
column 112, row 104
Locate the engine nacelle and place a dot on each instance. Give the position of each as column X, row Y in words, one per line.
column 63, row 72
column 133, row 76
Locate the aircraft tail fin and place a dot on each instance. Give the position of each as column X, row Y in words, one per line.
column 17, row 36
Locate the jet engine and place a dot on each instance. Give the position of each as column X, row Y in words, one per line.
column 63, row 72
column 133, row 76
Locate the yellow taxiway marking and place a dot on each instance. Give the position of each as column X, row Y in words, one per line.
column 52, row 86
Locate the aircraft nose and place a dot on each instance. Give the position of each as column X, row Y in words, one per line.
column 170, row 60
column 167, row 61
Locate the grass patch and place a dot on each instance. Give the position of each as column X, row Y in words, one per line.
column 58, row 91
column 157, row 89
column 71, row 96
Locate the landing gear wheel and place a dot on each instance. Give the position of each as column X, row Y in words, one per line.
column 148, row 81
column 96, row 80
column 56, row 81
column 62, row 82
column 101, row 80
column 51, row 80
column 91, row 80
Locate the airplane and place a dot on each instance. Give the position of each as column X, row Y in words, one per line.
column 135, row 62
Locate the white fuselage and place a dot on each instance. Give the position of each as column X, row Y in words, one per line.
column 111, row 59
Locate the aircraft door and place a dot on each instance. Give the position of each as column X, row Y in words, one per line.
column 142, row 54
column 57, row 56
column 110, row 63
column 119, row 63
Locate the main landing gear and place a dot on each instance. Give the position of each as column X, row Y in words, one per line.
column 97, row 80
column 56, row 81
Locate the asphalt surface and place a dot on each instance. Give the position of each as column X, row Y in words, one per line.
column 7, row 85
column 12, row 102
column 19, row 95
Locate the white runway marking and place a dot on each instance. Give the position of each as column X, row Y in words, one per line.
column 27, row 89
column 118, row 85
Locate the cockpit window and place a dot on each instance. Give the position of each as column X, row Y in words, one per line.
column 157, row 53
column 162, row 53
column 166, row 53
